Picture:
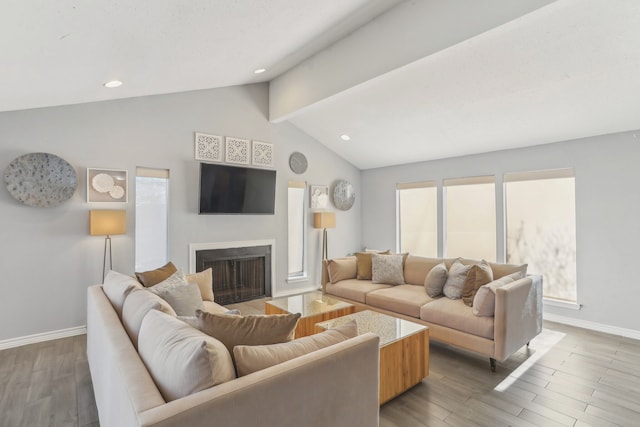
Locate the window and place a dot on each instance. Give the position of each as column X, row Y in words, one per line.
column 417, row 205
column 541, row 228
column 296, row 219
column 152, row 218
column 470, row 227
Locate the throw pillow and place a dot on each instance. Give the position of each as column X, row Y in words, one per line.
column 484, row 303
column 341, row 269
column 181, row 360
column 235, row 330
column 136, row 306
column 183, row 297
column 455, row 280
column 435, row 280
column 387, row 269
column 479, row 275
column 152, row 277
column 204, row 279
column 116, row 287
column 255, row 358
column 501, row 270
column 364, row 263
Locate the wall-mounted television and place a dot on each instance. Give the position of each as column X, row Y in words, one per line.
column 228, row 189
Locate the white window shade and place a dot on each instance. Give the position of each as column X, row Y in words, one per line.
column 296, row 221
column 152, row 218
column 417, row 210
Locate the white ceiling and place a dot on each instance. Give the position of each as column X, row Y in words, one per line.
column 566, row 70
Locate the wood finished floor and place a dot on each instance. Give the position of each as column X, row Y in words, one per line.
column 568, row 377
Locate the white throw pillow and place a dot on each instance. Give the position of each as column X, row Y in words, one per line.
column 255, row 358
column 117, row 286
column 136, row 306
column 435, row 280
column 387, row 269
column 185, row 298
column 455, row 280
column 181, row 359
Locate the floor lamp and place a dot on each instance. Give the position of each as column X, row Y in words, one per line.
column 324, row 220
column 107, row 223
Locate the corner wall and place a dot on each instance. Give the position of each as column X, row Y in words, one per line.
column 607, row 214
column 47, row 258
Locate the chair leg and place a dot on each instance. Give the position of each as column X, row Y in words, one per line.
column 492, row 362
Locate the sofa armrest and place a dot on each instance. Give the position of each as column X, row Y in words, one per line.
column 334, row 386
column 518, row 315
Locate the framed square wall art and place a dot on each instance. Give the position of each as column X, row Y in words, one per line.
column 319, row 196
column 107, row 186
column 262, row 154
column 208, row 147
column 237, row 150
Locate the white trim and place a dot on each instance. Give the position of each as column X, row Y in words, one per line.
column 193, row 247
column 45, row 336
column 562, row 304
column 613, row 330
column 299, row 278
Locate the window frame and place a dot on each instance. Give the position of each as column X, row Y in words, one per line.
column 303, row 274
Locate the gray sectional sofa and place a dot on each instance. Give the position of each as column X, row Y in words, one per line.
column 517, row 306
column 336, row 385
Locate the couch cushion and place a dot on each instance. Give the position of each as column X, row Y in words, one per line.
column 435, row 280
column 341, row 269
column 255, row 358
column 235, row 330
column 116, row 287
column 354, row 289
column 484, row 303
column 204, row 279
column 455, row 280
column 501, row 270
column 213, row 307
column 456, row 315
column 416, row 268
column 181, row 359
column 364, row 263
column 138, row 303
column 404, row 299
column 479, row 275
column 153, row 277
column 183, row 297
column 387, row 269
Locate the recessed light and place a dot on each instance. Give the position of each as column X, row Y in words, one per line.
column 259, row 71
column 345, row 137
column 113, row 83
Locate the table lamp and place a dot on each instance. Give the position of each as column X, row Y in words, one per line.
column 107, row 223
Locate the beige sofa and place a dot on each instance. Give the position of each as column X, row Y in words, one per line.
column 336, row 385
column 518, row 306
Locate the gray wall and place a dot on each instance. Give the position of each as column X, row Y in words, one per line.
column 607, row 211
column 47, row 258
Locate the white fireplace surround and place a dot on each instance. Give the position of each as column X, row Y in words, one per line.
column 194, row 247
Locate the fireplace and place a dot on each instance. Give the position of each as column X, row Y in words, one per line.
column 240, row 273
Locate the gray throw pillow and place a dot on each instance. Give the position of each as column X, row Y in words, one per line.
column 455, row 280
column 387, row 269
column 185, row 298
column 435, row 280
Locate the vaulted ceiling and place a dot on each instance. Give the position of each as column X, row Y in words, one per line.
column 406, row 80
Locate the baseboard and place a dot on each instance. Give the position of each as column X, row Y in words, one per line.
column 600, row 327
column 46, row 336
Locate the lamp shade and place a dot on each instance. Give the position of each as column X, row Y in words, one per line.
column 107, row 222
column 324, row 220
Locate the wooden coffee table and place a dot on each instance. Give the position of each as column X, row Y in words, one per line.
column 313, row 306
column 404, row 349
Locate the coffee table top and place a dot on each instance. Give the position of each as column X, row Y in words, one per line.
column 309, row 304
column 388, row 328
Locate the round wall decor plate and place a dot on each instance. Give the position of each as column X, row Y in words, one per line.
column 298, row 162
column 344, row 195
column 42, row 180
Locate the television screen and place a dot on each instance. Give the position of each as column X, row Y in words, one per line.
column 236, row 190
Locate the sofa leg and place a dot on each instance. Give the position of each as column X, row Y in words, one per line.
column 492, row 362
column 528, row 344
